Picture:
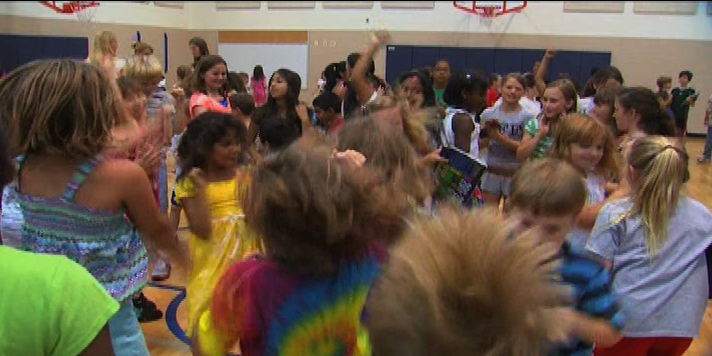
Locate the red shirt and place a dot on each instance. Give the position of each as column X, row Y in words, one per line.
column 492, row 97
column 335, row 125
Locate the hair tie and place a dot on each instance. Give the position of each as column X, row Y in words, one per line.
column 679, row 151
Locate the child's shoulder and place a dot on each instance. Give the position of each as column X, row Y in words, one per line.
column 695, row 208
column 487, row 114
column 116, row 171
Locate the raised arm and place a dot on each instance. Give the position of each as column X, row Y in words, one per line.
column 540, row 73
column 364, row 90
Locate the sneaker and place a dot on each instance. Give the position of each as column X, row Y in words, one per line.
column 703, row 160
column 146, row 310
column 161, row 271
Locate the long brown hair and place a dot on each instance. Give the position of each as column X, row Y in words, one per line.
column 198, row 77
column 59, row 107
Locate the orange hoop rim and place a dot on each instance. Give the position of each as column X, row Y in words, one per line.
column 69, row 7
column 490, row 11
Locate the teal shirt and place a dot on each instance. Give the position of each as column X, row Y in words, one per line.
column 439, row 94
column 542, row 148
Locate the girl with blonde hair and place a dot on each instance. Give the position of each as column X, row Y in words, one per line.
column 103, row 53
column 656, row 239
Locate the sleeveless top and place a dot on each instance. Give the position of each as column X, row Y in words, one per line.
column 104, row 242
column 448, row 135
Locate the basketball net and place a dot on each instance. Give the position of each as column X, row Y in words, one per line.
column 487, row 16
column 85, row 11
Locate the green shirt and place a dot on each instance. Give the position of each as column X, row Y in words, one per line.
column 679, row 105
column 49, row 305
column 439, row 97
column 542, row 148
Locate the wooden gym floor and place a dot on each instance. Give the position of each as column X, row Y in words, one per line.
column 163, row 342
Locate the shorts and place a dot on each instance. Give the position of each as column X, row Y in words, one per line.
column 126, row 334
column 643, row 346
column 496, row 184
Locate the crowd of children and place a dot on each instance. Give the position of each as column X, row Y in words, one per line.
column 307, row 235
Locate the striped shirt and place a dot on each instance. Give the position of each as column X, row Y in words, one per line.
column 104, row 242
column 592, row 295
column 542, row 148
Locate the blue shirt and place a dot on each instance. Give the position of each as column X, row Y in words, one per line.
column 592, row 295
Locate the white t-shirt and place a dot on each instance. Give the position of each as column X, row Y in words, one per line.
column 664, row 295
column 527, row 104
column 448, row 135
column 596, row 195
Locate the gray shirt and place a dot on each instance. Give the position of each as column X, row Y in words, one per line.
column 511, row 126
column 663, row 295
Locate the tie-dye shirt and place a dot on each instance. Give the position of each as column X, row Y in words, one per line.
column 282, row 313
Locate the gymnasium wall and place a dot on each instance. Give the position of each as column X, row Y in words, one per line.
column 540, row 17
column 178, row 51
column 117, row 12
column 642, row 46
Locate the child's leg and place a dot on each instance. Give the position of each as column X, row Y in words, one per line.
column 707, row 153
column 126, row 335
column 491, row 189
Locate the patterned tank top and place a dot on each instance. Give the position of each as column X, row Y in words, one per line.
column 104, row 242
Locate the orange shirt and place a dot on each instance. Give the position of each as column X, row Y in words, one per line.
column 201, row 99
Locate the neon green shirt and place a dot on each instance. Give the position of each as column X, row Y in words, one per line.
column 49, row 305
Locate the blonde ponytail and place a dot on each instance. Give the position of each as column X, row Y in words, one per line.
column 661, row 169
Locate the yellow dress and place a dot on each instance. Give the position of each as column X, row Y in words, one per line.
column 230, row 241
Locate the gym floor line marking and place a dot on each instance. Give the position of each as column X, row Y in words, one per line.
column 172, row 312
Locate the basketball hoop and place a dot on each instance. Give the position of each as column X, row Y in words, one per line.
column 490, row 9
column 84, row 10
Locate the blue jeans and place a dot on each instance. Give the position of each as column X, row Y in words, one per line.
column 707, row 154
column 126, row 334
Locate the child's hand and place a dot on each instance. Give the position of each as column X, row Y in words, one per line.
column 380, row 38
column 433, row 158
column 198, row 177
column 178, row 93
column 149, row 159
column 302, row 112
column 544, row 127
column 550, row 53
column 351, row 158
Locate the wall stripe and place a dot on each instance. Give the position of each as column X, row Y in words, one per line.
column 263, row 36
